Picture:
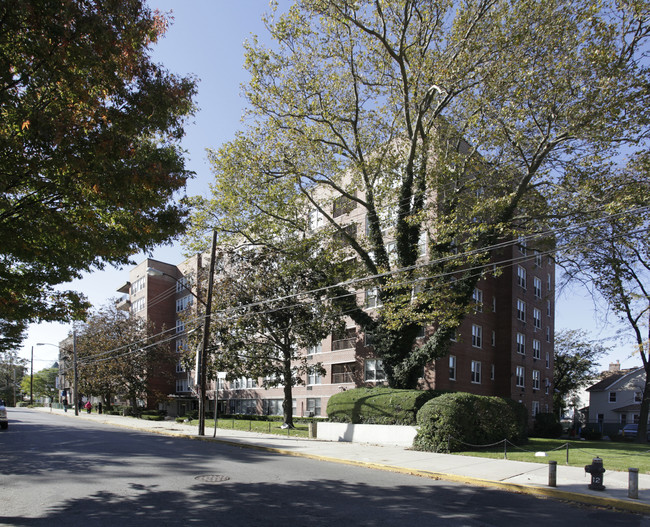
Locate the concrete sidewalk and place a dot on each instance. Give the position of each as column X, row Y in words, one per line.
column 514, row 476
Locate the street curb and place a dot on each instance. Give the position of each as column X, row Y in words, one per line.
column 547, row 492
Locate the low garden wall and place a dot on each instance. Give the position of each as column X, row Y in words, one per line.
column 394, row 435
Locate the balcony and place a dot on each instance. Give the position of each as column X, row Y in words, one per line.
column 343, row 344
column 123, row 304
column 341, row 378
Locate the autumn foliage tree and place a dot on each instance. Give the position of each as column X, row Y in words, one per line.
column 89, row 136
column 118, row 354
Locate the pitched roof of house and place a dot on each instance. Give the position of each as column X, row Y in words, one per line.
column 607, row 381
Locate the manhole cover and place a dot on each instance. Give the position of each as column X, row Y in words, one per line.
column 212, row 478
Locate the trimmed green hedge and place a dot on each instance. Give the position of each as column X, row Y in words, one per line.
column 454, row 420
column 380, row 405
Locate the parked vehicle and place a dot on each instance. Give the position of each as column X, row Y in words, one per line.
column 4, row 422
column 631, row 430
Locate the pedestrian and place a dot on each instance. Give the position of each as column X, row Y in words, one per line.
column 99, row 407
column 65, row 403
column 88, row 406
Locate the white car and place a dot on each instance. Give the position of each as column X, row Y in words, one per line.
column 4, row 422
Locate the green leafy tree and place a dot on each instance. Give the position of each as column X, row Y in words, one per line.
column 43, row 384
column 443, row 126
column 614, row 256
column 575, row 364
column 12, row 371
column 89, row 135
column 265, row 318
column 118, row 354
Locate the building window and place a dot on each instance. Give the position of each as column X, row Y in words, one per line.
column 521, row 343
column 522, row 245
column 180, row 326
column 492, row 372
column 494, row 338
column 548, row 280
column 372, row 298
column 313, row 378
column 612, row 397
column 548, row 334
column 535, row 408
column 537, row 318
column 183, row 303
column 422, row 243
column 341, row 236
column 548, row 359
column 342, row 373
column 537, row 287
column 476, row 372
column 343, row 205
column 537, row 349
column 180, row 368
column 538, row 259
column 536, row 380
column 345, row 340
column 313, row 406
column 272, row 406
column 521, row 310
column 477, row 295
column 318, row 348
column 477, row 336
column 638, row 397
column 182, row 386
column 138, row 305
column 521, row 277
column 373, row 370
column 243, row 383
column 183, row 284
column 316, row 220
column 548, row 308
column 520, row 376
column 452, row 368
column 494, row 304
column 138, row 285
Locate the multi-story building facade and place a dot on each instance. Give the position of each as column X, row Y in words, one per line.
column 504, row 347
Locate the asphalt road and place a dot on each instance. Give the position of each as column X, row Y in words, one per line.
column 61, row 471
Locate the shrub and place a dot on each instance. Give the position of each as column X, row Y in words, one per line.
column 152, row 417
column 380, row 405
column 547, row 425
column 451, row 420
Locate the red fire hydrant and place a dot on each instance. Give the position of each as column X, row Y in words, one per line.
column 596, row 470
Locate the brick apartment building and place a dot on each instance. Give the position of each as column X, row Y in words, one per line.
column 504, row 348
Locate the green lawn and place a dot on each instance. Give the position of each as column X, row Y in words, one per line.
column 265, row 427
column 615, row 455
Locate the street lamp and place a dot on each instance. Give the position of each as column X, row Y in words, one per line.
column 201, row 360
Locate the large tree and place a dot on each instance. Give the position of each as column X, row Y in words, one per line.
column 12, row 371
column 613, row 255
column 89, row 140
column 434, row 121
column 269, row 308
column 575, row 365
column 119, row 354
column 42, row 385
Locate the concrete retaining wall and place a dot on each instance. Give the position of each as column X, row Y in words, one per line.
column 373, row 434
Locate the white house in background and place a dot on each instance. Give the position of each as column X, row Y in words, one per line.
column 615, row 400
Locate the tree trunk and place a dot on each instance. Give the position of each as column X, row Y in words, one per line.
column 642, row 434
column 287, row 404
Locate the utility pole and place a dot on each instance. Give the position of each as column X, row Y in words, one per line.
column 202, row 361
column 74, row 364
column 31, row 379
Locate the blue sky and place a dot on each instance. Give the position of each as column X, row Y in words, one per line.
column 206, row 39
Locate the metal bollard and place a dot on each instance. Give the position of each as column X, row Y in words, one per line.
column 633, row 487
column 552, row 473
